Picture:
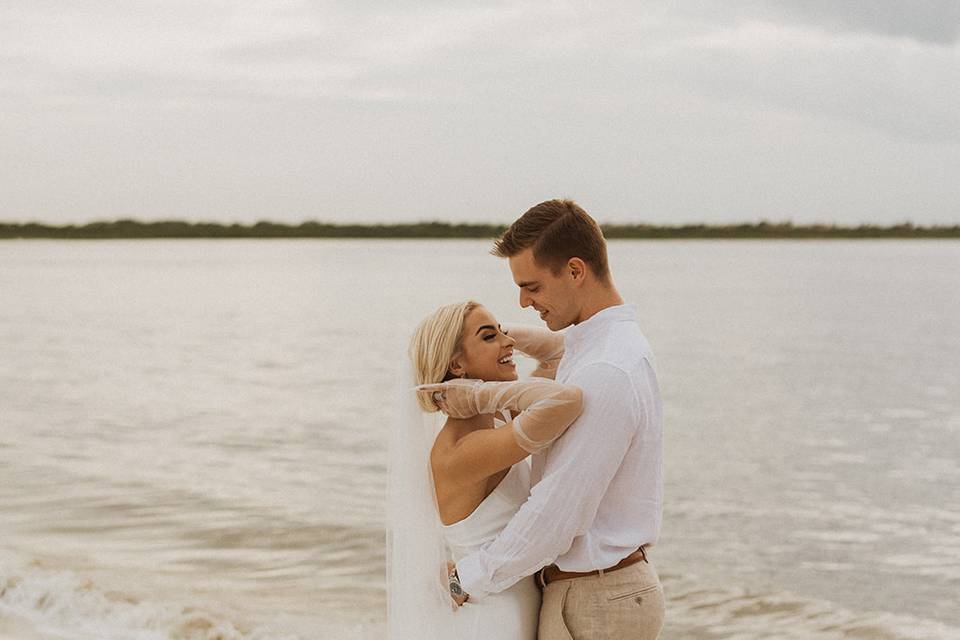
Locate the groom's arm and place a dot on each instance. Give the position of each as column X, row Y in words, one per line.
column 564, row 503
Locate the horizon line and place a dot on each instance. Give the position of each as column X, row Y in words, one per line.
column 472, row 223
column 128, row 228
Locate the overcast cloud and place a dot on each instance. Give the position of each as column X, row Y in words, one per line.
column 809, row 110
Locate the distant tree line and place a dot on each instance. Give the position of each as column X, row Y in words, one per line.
column 131, row 229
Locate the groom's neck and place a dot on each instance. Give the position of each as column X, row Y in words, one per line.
column 598, row 299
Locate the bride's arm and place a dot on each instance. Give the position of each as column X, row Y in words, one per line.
column 541, row 344
column 546, row 410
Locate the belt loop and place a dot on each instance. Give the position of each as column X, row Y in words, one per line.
column 644, row 554
column 600, row 572
column 540, row 580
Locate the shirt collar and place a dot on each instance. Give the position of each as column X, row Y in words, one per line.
column 579, row 333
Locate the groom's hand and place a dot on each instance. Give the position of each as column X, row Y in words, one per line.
column 456, row 591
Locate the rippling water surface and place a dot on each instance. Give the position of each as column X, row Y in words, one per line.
column 193, row 433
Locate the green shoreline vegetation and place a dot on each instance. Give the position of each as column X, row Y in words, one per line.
column 133, row 229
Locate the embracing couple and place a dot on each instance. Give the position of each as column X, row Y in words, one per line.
column 534, row 503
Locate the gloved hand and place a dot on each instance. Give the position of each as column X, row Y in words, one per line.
column 465, row 398
column 545, row 346
column 546, row 408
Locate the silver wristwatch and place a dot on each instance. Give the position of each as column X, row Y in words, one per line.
column 456, row 590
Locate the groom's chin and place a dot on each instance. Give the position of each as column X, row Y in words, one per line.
column 553, row 323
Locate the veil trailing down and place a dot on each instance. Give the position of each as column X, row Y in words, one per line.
column 479, row 432
column 418, row 603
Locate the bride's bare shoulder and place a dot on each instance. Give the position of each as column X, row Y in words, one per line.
column 449, row 433
column 446, row 441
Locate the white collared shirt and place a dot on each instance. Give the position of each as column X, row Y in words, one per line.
column 598, row 490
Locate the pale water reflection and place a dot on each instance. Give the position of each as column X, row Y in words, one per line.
column 193, row 433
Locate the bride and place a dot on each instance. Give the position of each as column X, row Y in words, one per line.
column 455, row 484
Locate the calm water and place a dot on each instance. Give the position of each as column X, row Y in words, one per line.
column 192, row 433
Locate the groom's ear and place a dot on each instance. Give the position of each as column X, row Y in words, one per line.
column 577, row 269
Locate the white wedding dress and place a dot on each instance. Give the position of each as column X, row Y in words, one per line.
column 419, row 546
column 513, row 613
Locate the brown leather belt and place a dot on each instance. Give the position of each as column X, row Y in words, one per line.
column 553, row 573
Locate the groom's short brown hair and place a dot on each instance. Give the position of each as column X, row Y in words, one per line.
column 557, row 230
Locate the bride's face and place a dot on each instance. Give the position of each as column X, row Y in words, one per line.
column 487, row 351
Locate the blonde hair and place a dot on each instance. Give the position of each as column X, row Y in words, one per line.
column 437, row 340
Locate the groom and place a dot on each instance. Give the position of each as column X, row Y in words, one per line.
column 595, row 505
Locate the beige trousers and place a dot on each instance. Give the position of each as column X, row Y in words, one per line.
column 626, row 604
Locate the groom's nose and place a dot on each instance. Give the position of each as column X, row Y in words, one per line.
column 525, row 300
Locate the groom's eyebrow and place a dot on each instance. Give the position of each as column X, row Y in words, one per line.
column 486, row 326
column 523, row 285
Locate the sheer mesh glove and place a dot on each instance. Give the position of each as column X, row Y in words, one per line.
column 546, row 408
column 539, row 343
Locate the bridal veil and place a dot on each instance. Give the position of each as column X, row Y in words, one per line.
column 418, row 603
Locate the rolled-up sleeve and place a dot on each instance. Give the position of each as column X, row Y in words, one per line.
column 577, row 471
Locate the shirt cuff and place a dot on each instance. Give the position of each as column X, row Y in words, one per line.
column 471, row 576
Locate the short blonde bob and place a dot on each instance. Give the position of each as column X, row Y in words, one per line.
column 436, row 342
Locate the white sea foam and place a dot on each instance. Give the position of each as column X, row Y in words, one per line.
column 64, row 605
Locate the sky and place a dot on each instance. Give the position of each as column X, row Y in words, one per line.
column 813, row 111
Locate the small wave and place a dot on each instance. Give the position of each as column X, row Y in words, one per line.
column 63, row 605
column 713, row 613
column 53, row 604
